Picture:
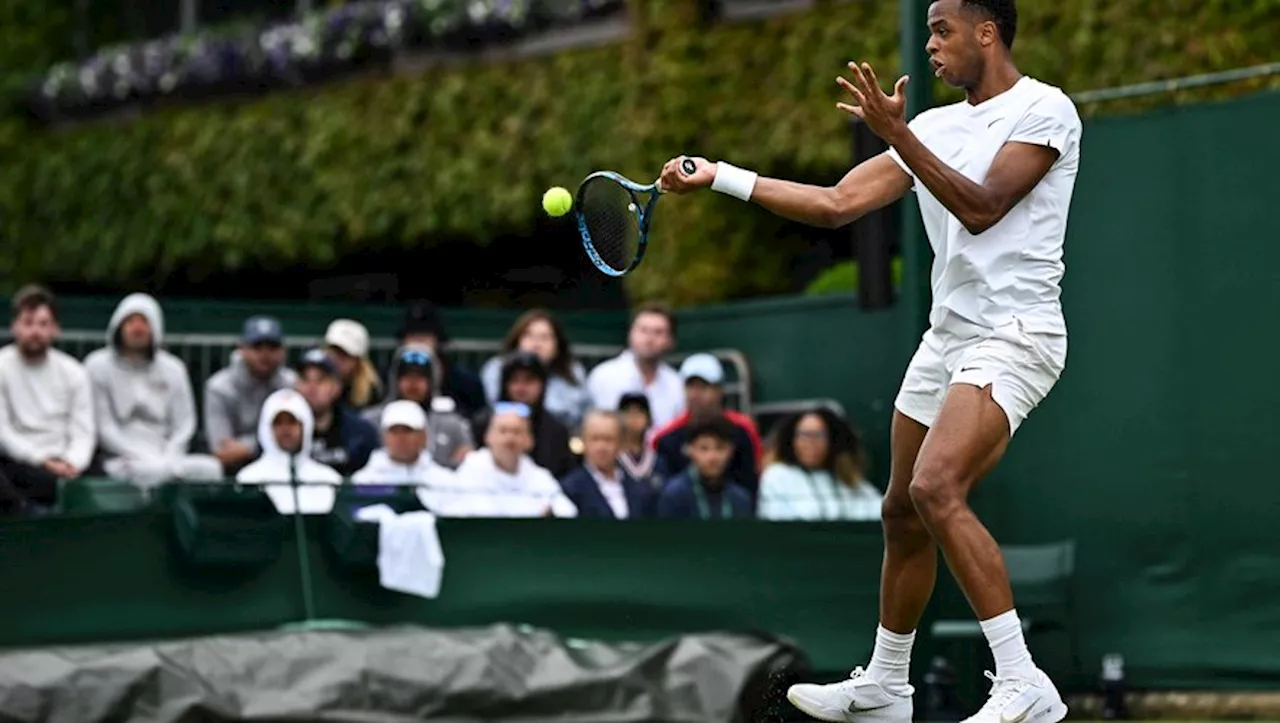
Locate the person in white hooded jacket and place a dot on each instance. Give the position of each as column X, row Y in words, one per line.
column 143, row 401
column 284, row 434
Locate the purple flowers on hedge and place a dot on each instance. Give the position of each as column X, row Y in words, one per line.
column 325, row 44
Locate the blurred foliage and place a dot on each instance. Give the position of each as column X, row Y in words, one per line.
column 843, row 278
column 308, row 176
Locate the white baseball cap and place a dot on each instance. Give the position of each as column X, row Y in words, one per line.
column 704, row 367
column 404, row 413
column 349, row 336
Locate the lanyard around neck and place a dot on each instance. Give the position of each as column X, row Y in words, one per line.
column 700, row 497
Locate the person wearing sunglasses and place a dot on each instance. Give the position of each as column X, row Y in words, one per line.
column 411, row 377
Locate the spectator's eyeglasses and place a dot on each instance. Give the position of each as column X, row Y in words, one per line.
column 519, row 409
column 414, row 357
column 812, row 436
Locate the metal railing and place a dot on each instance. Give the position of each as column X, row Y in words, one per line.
column 205, row 354
column 1174, row 85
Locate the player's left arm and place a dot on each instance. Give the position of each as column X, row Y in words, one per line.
column 1017, row 168
column 1035, row 145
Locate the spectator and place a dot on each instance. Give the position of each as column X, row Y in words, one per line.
column 233, row 397
column 47, row 427
column 524, row 380
column 341, row 438
column 706, row 489
column 600, row 487
column 405, row 460
column 501, row 479
column 540, row 333
column 411, row 377
column 348, row 344
column 145, row 408
column 635, row 455
column 818, row 473
column 704, row 394
column 284, row 433
column 423, row 326
column 640, row 368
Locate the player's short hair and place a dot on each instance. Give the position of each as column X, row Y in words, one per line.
column 660, row 309
column 1004, row 13
column 32, row 297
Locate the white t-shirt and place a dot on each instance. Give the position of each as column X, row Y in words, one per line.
column 1013, row 270
column 610, row 379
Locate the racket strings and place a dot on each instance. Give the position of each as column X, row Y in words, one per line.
column 609, row 213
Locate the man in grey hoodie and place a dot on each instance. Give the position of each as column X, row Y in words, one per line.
column 233, row 397
column 143, row 402
column 411, row 377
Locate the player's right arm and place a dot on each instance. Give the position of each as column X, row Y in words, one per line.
column 871, row 185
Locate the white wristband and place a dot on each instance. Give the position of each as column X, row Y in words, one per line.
column 733, row 181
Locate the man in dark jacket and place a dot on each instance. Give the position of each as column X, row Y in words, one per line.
column 422, row 325
column 600, row 487
column 524, row 380
column 341, row 438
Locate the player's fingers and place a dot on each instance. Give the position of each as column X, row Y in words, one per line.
column 871, row 76
column 859, row 79
column 840, row 81
column 900, row 87
column 850, row 109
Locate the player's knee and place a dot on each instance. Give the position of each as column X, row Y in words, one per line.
column 935, row 494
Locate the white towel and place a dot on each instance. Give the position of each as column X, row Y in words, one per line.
column 410, row 558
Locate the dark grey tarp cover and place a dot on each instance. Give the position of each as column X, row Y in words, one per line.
column 500, row 673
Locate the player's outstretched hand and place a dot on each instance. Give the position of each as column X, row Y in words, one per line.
column 886, row 115
column 674, row 179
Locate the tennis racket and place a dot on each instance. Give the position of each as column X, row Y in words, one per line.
column 614, row 214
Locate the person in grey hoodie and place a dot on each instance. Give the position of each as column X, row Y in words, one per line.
column 233, row 397
column 143, row 402
column 410, row 377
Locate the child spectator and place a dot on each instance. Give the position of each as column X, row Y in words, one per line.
column 636, row 456
column 706, row 490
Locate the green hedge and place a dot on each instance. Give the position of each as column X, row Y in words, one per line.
column 309, row 176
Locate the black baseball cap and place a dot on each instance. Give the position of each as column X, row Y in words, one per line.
column 318, row 359
column 634, row 399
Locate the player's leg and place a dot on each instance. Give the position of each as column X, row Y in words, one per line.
column 882, row 693
column 998, row 386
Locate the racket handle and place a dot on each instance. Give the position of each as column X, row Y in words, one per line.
column 688, row 167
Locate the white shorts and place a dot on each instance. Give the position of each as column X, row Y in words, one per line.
column 1020, row 368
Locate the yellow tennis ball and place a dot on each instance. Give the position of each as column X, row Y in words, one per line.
column 557, row 201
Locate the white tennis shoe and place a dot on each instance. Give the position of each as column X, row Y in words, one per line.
column 1015, row 700
column 858, row 699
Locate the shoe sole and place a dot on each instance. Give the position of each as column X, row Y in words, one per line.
column 871, row 716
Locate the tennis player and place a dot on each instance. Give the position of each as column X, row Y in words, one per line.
column 994, row 175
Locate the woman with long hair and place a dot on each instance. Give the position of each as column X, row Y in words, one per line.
column 540, row 332
column 818, row 472
column 347, row 342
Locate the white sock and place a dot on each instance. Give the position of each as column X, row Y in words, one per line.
column 891, row 661
column 1008, row 647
